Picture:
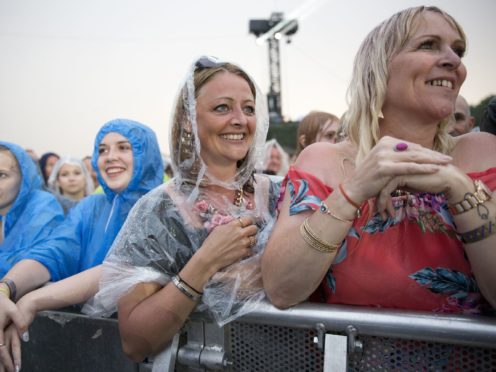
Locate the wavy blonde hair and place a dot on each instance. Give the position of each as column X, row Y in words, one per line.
column 367, row 89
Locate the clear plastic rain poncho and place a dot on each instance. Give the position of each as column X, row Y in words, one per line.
column 169, row 224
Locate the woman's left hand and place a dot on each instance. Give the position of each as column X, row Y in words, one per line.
column 449, row 179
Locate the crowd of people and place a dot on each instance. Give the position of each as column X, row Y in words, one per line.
column 388, row 206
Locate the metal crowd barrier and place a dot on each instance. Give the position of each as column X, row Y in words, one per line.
column 308, row 337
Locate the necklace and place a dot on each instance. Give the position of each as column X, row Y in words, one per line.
column 239, row 197
column 211, row 216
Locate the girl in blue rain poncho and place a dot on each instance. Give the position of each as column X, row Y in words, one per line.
column 127, row 168
column 29, row 214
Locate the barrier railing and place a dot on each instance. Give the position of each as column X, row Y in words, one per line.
column 307, row 337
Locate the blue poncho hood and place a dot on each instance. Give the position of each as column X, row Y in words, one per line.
column 147, row 160
column 32, row 216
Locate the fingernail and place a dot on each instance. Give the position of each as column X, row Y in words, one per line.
column 18, row 368
column 25, row 336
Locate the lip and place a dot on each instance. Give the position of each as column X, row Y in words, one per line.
column 114, row 171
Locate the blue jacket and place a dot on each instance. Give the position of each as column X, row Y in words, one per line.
column 33, row 214
column 86, row 235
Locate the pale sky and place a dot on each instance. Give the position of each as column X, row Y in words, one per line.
column 68, row 66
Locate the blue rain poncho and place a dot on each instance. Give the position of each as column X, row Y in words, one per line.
column 86, row 235
column 33, row 214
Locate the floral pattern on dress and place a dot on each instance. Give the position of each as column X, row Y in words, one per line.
column 440, row 268
column 428, row 211
column 462, row 290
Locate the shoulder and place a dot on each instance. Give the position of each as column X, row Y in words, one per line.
column 326, row 161
column 475, row 151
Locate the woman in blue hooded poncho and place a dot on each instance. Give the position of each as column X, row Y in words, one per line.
column 30, row 214
column 128, row 162
column 83, row 239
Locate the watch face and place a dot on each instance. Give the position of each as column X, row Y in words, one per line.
column 481, row 187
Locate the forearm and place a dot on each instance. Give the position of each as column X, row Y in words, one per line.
column 150, row 316
column 291, row 268
column 28, row 275
column 481, row 253
column 71, row 291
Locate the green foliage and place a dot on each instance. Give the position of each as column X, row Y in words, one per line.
column 285, row 134
column 477, row 111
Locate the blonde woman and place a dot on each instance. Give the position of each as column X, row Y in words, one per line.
column 400, row 214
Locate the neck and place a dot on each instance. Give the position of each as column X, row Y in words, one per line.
column 75, row 196
column 223, row 173
column 410, row 129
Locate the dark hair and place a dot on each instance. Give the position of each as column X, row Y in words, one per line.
column 43, row 160
column 488, row 123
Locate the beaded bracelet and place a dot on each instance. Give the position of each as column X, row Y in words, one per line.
column 480, row 233
column 314, row 241
column 185, row 289
column 325, row 210
column 12, row 288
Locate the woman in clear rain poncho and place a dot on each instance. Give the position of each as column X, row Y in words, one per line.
column 201, row 234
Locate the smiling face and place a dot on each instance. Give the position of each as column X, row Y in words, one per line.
column 71, row 181
column 426, row 75
column 10, row 181
column 226, row 119
column 115, row 161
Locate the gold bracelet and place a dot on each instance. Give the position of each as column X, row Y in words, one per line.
column 314, row 241
column 4, row 289
column 471, row 200
column 480, row 233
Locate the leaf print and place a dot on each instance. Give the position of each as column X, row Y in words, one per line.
column 442, row 280
column 331, row 281
column 342, row 253
column 301, row 202
column 353, row 233
column 376, row 224
column 447, row 217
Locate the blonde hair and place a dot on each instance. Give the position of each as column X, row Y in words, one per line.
column 367, row 89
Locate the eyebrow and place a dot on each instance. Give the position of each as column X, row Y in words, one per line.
column 119, row 143
column 437, row 37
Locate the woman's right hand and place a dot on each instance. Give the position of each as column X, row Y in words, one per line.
column 229, row 243
column 385, row 162
column 13, row 326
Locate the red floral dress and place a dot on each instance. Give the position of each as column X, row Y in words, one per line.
column 413, row 260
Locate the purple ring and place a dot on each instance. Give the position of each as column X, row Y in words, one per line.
column 401, row 146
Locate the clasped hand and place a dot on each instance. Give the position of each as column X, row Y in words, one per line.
column 408, row 166
column 13, row 326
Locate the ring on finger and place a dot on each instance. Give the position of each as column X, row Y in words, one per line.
column 400, row 146
column 240, row 222
column 253, row 241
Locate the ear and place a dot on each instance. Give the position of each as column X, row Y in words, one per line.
column 471, row 123
column 302, row 140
